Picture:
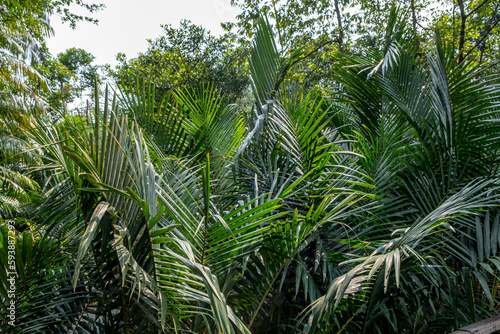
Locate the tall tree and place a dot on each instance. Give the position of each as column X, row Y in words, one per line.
column 69, row 75
column 187, row 56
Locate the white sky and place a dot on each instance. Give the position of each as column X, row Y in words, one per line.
column 124, row 25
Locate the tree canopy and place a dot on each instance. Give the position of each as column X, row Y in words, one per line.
column 188, row 56
column 354, row 188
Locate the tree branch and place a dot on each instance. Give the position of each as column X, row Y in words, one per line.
column 483, row 38
column 341, row 30
column 478, row 7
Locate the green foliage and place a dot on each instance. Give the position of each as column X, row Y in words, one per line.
column 188, row 57
column 367, row 207
column 79, row 63
column 473, row 29
column 295, row 18
column 32, row 14
column 24, row 27
column 68, row 75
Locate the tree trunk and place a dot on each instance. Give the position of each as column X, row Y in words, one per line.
column 87, row 113
column 461, row 42
column 62, row 97
column 413, row 17
column 341, row 30
column 414, row 23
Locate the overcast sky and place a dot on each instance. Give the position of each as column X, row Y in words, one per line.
column 124, row 25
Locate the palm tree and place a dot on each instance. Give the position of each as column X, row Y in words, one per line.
column 370, row 209
column 426, row 130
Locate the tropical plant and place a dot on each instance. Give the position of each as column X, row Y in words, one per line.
column 369, row 208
